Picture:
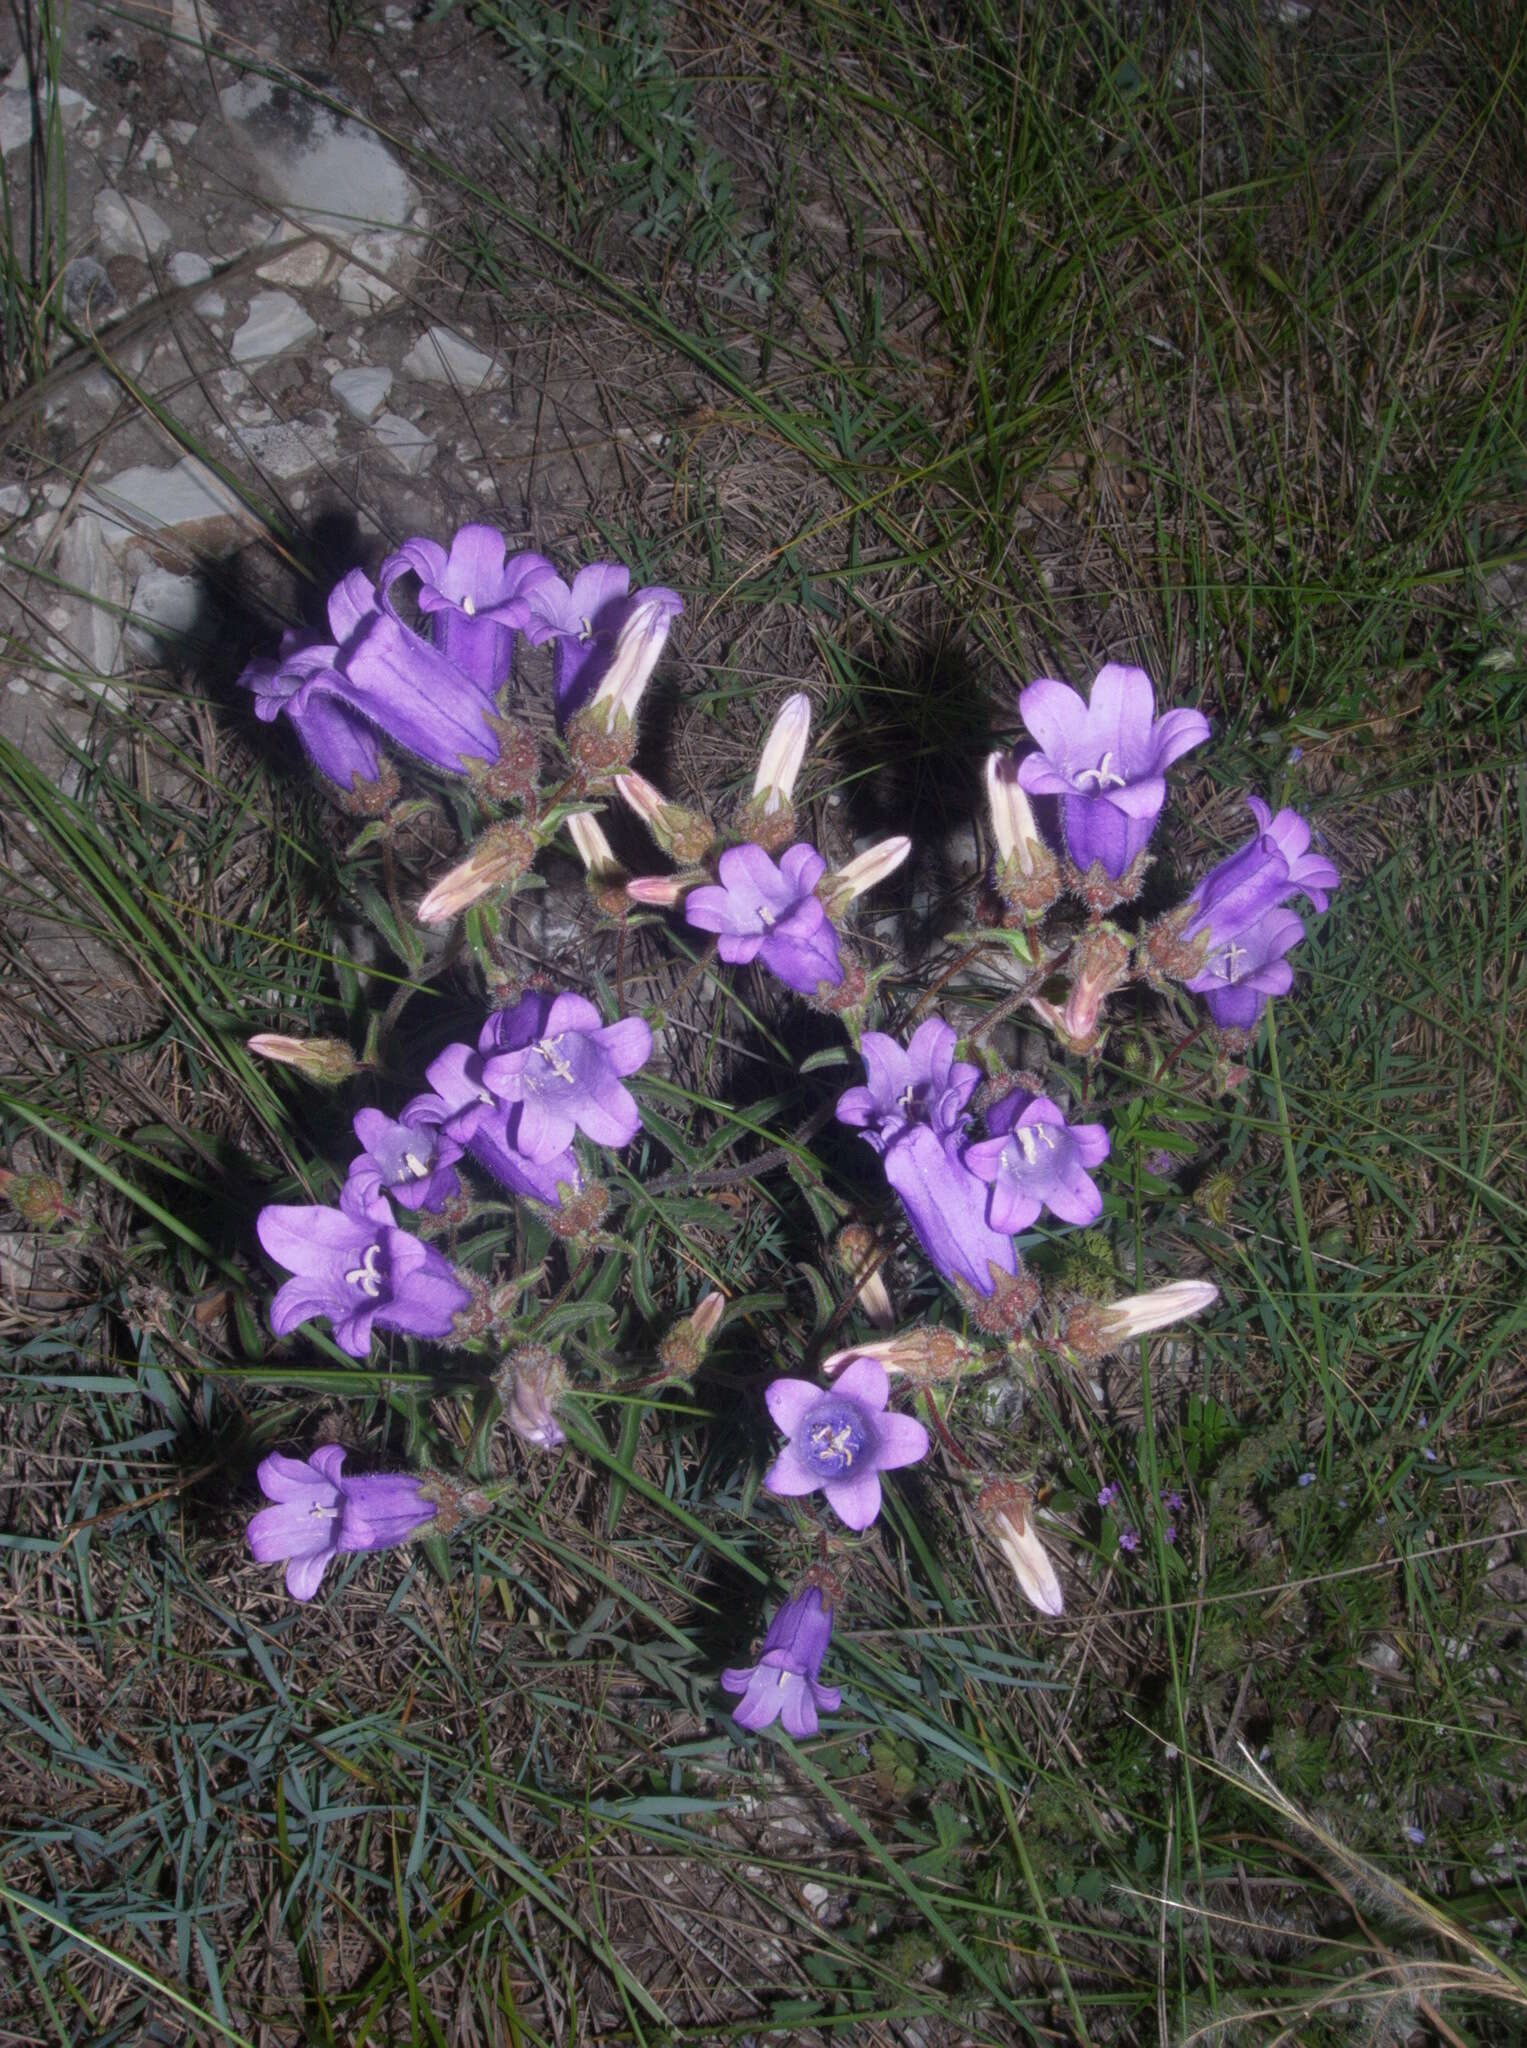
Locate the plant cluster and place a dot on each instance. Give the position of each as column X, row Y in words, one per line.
column 975, row 1153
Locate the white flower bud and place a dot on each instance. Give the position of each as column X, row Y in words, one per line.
column 784, row 751
column 594, row 850
column 1008, row 1512
column 1012, row 815
column 502, row 854
column 1138, row 1314
column 641, row 642
column 837, row 890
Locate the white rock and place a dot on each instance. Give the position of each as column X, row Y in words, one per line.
column 286, row 448
column 13, row 500
column 16, row 108
column 441, row 357
column 183, row 132
column 186, row 267
column 129, row 227
column 90, row 640
column 155, row 154
column 276, row 323
column 212, row 305
column 362, row 291
column 362, row 393
column 305, row 266
column 171, row 614
column 147, row 500
column 337, row 176
column 194, row 27
column 409, row 446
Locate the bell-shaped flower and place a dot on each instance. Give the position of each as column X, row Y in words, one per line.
column 529, row 1384
column 320, row 1511
column 1272, row 867
column 783, row 1685
column 768, row 910
column 913, row 1111
column 1035, row 1160
column 468, row 1111
column 378, row 671
column 337, row 740
column 1238, row 977
column 358, row 1272
column 406, row 1157
column 841, row 1438
column 476, row 597
column 1106, row 758
column 563, row 1066
column 581, row 622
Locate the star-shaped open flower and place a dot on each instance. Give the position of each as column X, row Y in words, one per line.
column 1238, row 977
column 320, row 1512
column 841, row 1438
column 1035, row 1160
column 469, row 1112
column 476, row 596
column 1107, row 759
column 564, row 1069
column 407, row 1157
column 768, row 910
column 357, row 1271
column 581, row 620
column 783, row 1684
column 1272, row 867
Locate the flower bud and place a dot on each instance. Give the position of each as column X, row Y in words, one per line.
column 455, row 1500
column 660, row 892
column 37, row 1198
column 1099, row 966
column 859, row 1253
column 529, row 1383
column 501, row 856
column 683, row 1349
column 637, row 649
column 594, row 850
column 924, row 1356
column 1093, row 1332
column 1007, row 1511
column 683, row 835
column 326, row 1060
column 837, row 890
column 1006, row 1310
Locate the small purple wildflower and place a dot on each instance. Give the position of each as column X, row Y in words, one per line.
column 841, row 1438
column 319, row 1513
column 769, row 910
column 912, row 1111
column 1129, row 1537
column 1306, row 1479
column 1035, row 1160
column 1237, row 980
column 476, row 597
column 563, row 1068
column 1169, row 1534
column 1107, row 759
column 582, row 621
column 469, row 1112
column 1171, row 1500
column 1415, row 1837
column 783, row 1684
column 357, row 1271
column 1107, row 1495
column 408, row 1158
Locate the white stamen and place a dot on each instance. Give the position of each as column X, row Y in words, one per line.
column 550, row 1051
column 318, row 1513
column 416, row 1166
column 365, row 1276
column 585, row 631
column 1101, row 777
column 469, row 608
column 1231, row 955
column 1028, row 1144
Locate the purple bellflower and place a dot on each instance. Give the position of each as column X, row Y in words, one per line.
column 470, row 1113
column 378, row 671
column 1107, row 759
column 357, row 1271
column 770, row 911
column 581, row 621
column 408, row 1158
column 783, row 1684
column 477, row 596
column 1272, row 867
column 320, row 1513
column 1035, row 1160
column 841, row 1439
column 913, row 1112
column 562, row 1064
column 338, row 741
column 1239, row 976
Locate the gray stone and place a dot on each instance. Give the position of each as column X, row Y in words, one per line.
column 88, row 643
column 286, row 448
column 410, row 447
column 362, row 393
column 276, row 323
column 88, row 294
column 363, row 285
column 334, row 174
column 306, row 264
column 186, row 267
column 129, row 227
column 172, row 615
column 148, row 500
column 212, row 305
column 16, row 108
column 441, row 357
